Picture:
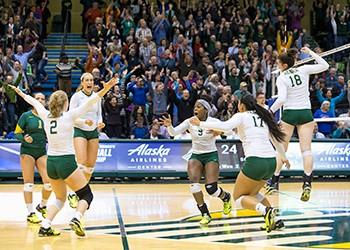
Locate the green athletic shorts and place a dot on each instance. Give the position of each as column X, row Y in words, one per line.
column 206, row 157
column 36, row 153
column 61, row 166
column 297, row 116
column 258, row 168
column 86, row 134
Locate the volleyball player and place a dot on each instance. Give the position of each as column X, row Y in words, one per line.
column 255, row 127
column 294, row 96
column 30, row 132
column 204, row 159
column 62, row 168
column 86, row 135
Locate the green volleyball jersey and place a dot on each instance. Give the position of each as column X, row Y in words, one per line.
column 31, row 124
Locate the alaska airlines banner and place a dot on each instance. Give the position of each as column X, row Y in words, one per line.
column 171, row 156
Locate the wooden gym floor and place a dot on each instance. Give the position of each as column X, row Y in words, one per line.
column 164, row 216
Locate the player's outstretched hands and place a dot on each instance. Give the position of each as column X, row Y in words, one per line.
column 165, row 120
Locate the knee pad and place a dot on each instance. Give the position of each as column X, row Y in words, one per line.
column 28, row 187
column 86, row 169
column 58, row 204
column 85, row 194
column 47, row 187
column 238, row 202
column 260, row 197
column 307, row 153
column 212, row 189
column 195, row 188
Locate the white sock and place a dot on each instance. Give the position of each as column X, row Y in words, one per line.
column 46, row 223
column 78, row 215
column 43, row 203
column 30, row 208
column 260, row 208
column 308, row 174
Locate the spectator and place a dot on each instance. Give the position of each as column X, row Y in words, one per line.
column 64, row 74
column 155, row 132
column 317, row 134
column 324, row 112
column 140, row 131
column 341, row 131
column 113, row 117
column 138, row 89
column 243, row 87
column 332, row 100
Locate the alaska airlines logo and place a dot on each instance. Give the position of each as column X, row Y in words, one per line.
column 317, row 228
column 337, row 150
column 144, row 150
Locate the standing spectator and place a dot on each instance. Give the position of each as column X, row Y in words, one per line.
column 139, row 89
column 113, row 119
column 92, row 13
column 84, row 19
column 12, row 98
column 64, row 74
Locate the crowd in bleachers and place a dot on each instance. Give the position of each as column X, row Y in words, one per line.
column 169, row 53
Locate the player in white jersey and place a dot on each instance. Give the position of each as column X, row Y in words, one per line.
column 204, row 159
column 294, row 96
column 255, row 127
column 86, row 131
column 62, row 168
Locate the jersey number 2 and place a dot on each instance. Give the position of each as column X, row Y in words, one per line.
column 296, row 81
column 53, row 126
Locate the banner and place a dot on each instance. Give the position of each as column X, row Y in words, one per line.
column 159, row 156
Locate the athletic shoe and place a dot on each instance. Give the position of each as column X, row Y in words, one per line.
column 73, row 200
column 272, row 188
column 270, row 218
column 279, row 225
column 305, row 196
column 33, row 218
column 206, row 219
column 227, row 206
column 46, row 232
column 42, row 210
column 77, row 227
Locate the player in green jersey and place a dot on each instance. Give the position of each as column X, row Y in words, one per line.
column 30, row 131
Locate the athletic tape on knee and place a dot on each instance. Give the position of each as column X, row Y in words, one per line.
column 307, row 153
column 260, row 197
column 238, row 202
column 28, row 187
column 212, row 189
column 47, row 187
column 85, row 194
column 58, row 203
column 86, row 169
column 195, row 188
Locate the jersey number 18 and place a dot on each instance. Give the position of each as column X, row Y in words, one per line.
column 296, row 81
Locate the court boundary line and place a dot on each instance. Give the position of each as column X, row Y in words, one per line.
column 123, row 234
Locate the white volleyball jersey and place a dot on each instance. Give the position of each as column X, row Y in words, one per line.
column 59, row 131
column 293, row 85
column 203, row 140
column 252, row 131
column 94, row 113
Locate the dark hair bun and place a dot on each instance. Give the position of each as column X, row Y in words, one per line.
column 292, row 52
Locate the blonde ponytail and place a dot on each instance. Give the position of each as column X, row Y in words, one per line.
column 56, row 103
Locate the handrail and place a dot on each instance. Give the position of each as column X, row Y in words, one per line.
column 64, row 38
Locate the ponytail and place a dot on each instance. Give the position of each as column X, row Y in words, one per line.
column 249, row 101
column 289, row 57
